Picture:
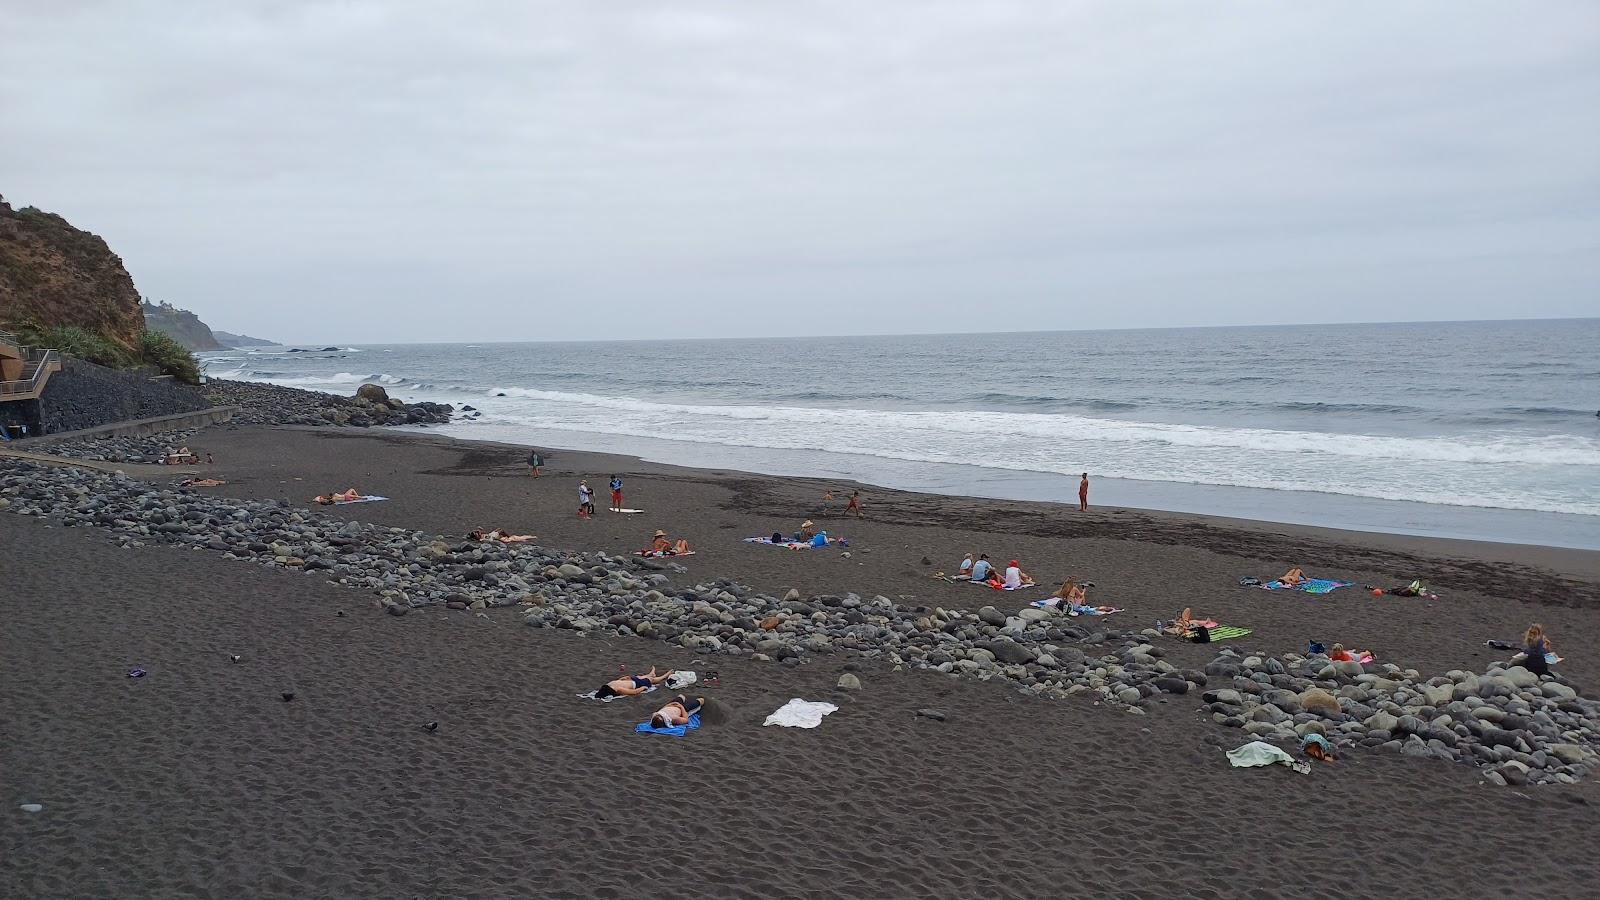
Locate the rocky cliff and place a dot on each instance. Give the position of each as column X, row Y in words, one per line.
column 182, row 326
column 242, row 340
column 53, row 275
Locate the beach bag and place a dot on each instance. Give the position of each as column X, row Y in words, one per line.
column 1315, row 647
column 679, row 680
column 1200, row 634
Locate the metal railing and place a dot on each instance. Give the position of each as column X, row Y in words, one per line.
column 37, row 368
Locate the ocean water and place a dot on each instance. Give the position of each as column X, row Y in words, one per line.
column 1473, row 429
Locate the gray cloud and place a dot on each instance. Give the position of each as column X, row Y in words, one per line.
column 387, row 170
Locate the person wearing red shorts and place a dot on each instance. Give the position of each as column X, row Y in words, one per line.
column 616, row 492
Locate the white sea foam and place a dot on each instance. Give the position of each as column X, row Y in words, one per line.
column 1459, row 472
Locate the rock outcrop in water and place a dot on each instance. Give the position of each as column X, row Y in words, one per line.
column 271, row 404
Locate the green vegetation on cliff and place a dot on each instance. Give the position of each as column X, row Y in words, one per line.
column 63, row 288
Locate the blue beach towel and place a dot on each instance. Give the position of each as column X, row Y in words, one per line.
column 1313, row 586
column 674, row 731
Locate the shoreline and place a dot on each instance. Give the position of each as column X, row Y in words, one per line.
column 1583, row 561
column 1332, row 511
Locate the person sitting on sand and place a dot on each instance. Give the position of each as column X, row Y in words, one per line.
column 818, row 540
column 1181, row 625
column 1535, row 647
column 631, row 685
column 1293, row 578
column 982, row 568
column 662, row 545
column 676, row 712
column 1016, row 578
column 966, row 568
column 808, row 530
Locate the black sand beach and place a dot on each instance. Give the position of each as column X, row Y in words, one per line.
column 200, row 780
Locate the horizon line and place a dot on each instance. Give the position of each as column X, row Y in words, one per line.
column 801, row 337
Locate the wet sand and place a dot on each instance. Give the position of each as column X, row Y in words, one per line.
column 199, row 780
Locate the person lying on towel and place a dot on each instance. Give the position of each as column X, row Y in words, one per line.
column 631, row 685
column 1185, row 623
column 1414, row 589
column 501, row 535
column 1340, row 654
column 677, row 712
column 344, row 496
column 1293, row 578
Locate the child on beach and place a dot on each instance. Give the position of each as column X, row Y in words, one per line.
column 534, row 462
column 616, row 492
column 854, row 505
column 585, row 500
column 966, row 567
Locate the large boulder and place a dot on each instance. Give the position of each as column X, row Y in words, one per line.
column 373, row 393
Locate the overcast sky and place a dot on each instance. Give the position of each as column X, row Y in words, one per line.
column 385, row 170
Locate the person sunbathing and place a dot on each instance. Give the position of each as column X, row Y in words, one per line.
column 808, row 530
column 677, row 712
column 501, row 535
column 1339, row 654
column 1072, row 592
column 631, row 685
column 1293, row 578
column 1181, row 625
column 663, row 546
column 344, row 496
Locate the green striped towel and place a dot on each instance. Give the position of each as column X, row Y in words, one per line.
column 1224, row 632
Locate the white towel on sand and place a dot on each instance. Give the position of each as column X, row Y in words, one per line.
column 1261, row 753
column 799, row 713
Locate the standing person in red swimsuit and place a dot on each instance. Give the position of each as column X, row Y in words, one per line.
column 1083, row 493
column 854, row 505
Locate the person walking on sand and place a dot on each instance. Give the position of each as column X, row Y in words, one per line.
column 616, row 493
column 854, row 505
column 534, row 462
column 1083, row 493
column 585, row 500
